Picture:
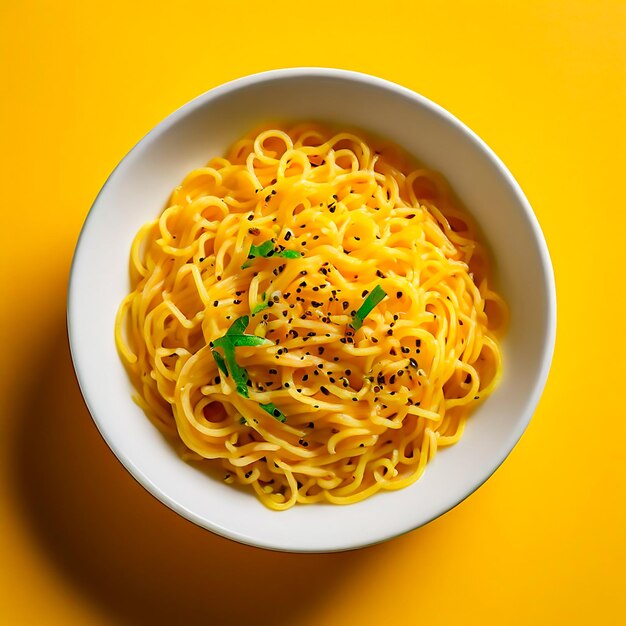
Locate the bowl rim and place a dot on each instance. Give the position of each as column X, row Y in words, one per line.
column 549, row 287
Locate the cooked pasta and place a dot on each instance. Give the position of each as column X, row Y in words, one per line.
column 312, row 314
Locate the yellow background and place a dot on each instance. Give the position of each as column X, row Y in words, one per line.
column 543, row 542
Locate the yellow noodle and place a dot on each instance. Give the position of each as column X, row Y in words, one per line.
column 365, row 410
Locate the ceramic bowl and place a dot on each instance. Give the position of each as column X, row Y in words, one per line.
column 139, row 188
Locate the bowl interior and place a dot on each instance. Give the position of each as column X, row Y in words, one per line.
column 138, row 190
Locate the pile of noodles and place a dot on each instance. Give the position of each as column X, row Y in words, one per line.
column 284, row 239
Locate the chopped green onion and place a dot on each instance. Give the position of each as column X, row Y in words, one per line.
column 257, row 308
column 234, row 338
column 267, row 250
column 270, row 408
column 289, row 254
column 240, row 340
column 221, row 364
column 377, row 294
column 239, row 326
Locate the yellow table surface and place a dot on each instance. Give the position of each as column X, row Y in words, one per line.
column 542, row 542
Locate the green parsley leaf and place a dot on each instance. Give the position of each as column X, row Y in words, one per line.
column 376, row 296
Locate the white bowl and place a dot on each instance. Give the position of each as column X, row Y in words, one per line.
column 137, row 191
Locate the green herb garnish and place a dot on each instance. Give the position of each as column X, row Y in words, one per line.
column 221, row 364
column 235, row 337
column 377, row 294
column 289, row 254
column 267, row 250
column 257, row 308
column 270, row 408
